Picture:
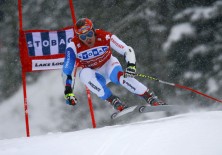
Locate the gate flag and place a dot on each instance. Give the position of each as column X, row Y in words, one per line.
column 48, row 43
column 43, row 49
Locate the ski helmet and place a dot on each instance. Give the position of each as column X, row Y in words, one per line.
column 83, row 25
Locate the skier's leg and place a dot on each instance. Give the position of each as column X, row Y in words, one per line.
column 152, row 99
column 134, row 86
column 138, row 88
column 97, row 84
column 115, row 74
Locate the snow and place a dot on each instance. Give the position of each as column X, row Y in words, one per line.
column 193, row 14
column 196, row 133
column 197, row 13
column 212, row 86
column 200, row 49
column 200, row 13
column 178, row 32
column 192, row 75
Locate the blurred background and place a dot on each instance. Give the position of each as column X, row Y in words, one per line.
column 176, row 41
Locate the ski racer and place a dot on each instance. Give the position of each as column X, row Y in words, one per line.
column 91, row 48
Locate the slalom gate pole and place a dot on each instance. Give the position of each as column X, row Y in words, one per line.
column 178, row 86
column 91, row 110
column 23, row 72
column 72, row 11
column 25, row 104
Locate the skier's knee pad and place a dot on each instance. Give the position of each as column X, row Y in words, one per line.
column 115, row 74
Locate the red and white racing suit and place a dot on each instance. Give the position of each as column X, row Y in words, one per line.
column 99, row 66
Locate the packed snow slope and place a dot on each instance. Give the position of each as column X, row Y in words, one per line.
column 196, row 133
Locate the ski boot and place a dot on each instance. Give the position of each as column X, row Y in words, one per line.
column 152, row 99
column 116, row 103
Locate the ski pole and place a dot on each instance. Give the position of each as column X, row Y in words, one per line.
column 178, row 86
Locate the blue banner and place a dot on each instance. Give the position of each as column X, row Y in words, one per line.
column 48, row 43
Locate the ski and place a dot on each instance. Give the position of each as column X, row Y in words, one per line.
column 121, row 113
column 165, row 108
column 169, row 109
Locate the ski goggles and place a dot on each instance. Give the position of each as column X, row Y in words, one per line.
column 89, row 34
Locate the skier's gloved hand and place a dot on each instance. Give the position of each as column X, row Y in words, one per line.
column 69, row 96
column 130, row 70
column 71, row 99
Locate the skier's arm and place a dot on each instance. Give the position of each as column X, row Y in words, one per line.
column 69, row 64
column 68, row 67
column 128, row 52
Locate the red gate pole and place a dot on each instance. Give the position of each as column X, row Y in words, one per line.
column 23, row 72
column 91, row 108
column 25, row 104
column 72, row 11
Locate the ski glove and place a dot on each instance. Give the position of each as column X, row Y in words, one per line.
column 130, row 70
column 69, row 96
